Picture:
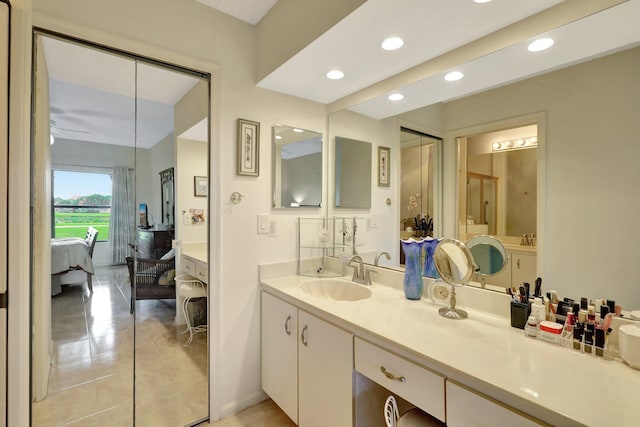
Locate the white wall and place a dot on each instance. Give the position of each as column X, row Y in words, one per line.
column 195, row 30
column 191, row 159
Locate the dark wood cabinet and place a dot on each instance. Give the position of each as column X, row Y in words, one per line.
column 153, row 243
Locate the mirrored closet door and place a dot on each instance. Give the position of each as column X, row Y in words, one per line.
column 112, row 247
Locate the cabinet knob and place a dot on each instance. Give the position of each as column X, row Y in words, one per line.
column 303, row 336
column 391, row 376
column 287, row 325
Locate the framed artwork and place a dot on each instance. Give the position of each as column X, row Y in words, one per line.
column 384, row 167
column 248, row 148
column 200, row 186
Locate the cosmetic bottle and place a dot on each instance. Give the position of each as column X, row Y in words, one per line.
column 577, row 336
column 591, row 315
column 604, row 310
column 588, row 341
column 538, row 310
column 599, row 348
column 531, row 328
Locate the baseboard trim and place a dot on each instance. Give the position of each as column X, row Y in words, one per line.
column 236, row 406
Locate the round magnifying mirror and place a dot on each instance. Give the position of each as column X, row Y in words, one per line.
column 454, row 263
column 489, row 256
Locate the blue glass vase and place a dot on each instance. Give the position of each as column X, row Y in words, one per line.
column 429, row 270
column 412, row 268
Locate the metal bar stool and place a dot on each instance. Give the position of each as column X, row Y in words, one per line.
column 189, row 288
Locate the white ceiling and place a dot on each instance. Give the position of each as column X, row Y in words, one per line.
column 431, row 28
column 250, row 11
column 93, row 96
column 92, row 91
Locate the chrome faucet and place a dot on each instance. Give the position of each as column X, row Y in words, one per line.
column 386, row 254
column 359, row 273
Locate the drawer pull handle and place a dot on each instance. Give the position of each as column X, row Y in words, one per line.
column 303, row 336
column 287, row 325
column 391, row 376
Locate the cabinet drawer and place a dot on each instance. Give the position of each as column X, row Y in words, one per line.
column 202, row 272
column 466, row 408
column 189, row 267
column 421, row 387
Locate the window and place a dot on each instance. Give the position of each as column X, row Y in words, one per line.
column 80, row 200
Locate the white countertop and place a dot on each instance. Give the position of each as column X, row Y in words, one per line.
column 552, row 383
column 196, row 251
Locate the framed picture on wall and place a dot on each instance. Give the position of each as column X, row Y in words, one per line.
column 200, row 186
column 248, row 149
column 384, row 167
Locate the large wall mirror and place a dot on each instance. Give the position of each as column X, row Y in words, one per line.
column 297, row 167
column 107, row 331
column 573, row 108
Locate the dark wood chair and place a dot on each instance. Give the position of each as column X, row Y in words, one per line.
column 151, row 279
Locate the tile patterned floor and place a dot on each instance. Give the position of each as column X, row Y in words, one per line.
column 91, row 380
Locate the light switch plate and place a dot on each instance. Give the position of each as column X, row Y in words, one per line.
column 264, row 225
column 373, row 221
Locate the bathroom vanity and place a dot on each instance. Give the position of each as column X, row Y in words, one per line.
column 462, row 372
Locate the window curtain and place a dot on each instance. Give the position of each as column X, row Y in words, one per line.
column 122, row 224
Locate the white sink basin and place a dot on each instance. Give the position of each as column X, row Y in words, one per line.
column 337, row 290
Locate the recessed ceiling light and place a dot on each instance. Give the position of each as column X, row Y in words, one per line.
column 392, row 43
column 298, row 130
column 335, row 74
column 453, row 76
column 481, row 1
column 396, row 97
column 540, row 44
column 278, row 137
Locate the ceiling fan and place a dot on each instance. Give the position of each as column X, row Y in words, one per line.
column 62, row 132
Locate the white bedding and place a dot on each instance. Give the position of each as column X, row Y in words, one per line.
column 71, row 253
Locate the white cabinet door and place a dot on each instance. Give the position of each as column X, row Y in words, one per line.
column 280, row 354
column 468, row 409
column 325, row 373
column 523, row 269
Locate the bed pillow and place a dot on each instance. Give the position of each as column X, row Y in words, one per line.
column 169, row 254
column 167, row 278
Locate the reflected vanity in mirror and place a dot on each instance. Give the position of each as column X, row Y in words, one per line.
column 454, row 263
column 297, row 167
column 352, row 173
column 489, row 256
column 500, row 171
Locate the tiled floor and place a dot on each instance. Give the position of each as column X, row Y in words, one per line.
column 91, row 380
column 265, row 414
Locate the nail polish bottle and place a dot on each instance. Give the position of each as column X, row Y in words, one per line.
column 577, row 336
column 588, row 341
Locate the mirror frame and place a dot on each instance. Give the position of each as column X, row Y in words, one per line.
column 466, row 253
column 491, row 241
column 274, row 178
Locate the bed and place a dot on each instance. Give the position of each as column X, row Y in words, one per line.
column 72, row 261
